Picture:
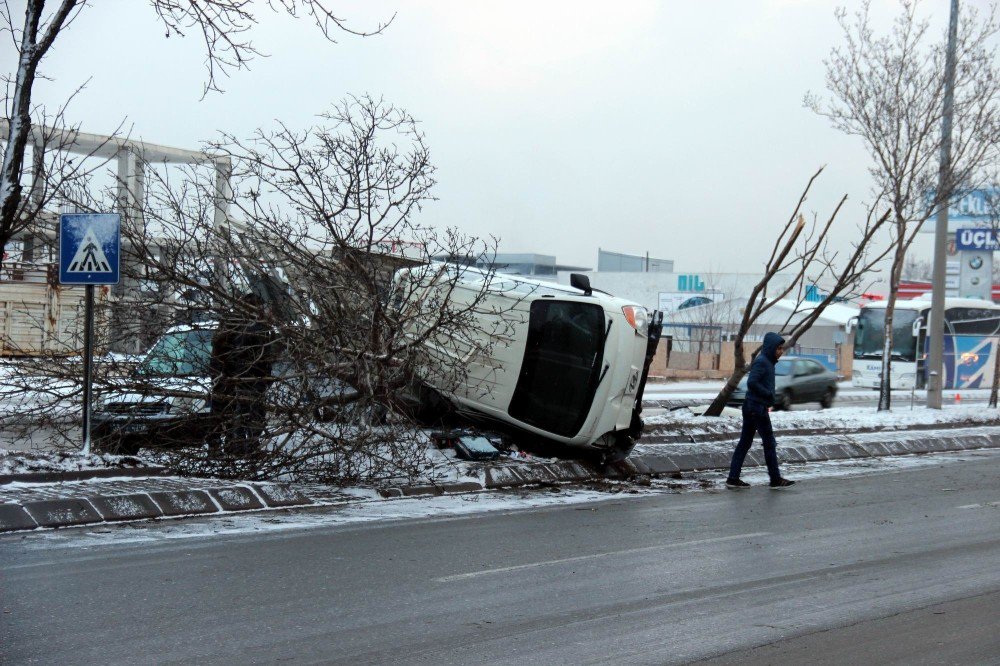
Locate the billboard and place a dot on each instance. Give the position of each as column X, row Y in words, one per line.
column 672, row 301
column 975, row 206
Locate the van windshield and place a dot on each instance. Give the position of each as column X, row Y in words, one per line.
column 562, row 366
column 179, row 354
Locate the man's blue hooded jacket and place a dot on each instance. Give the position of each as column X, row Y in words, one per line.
column 760, row 381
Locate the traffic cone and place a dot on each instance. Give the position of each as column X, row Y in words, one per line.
column 958, row 398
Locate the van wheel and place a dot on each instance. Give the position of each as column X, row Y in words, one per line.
column 615, row 447
column 785, row 401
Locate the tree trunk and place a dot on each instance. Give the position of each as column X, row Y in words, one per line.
column 739, row 369
column 885, row 384
column 19, row 127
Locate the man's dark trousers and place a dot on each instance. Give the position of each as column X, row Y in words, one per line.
column 756, row 419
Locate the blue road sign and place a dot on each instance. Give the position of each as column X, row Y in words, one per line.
column 89, row 248
column 976, row 239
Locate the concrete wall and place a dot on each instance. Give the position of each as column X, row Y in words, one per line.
column 684, row 365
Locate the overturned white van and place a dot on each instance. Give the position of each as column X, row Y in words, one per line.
column 568, row 364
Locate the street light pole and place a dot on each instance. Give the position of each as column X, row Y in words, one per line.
column 935, row 326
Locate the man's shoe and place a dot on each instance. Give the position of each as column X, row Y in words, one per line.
column 736, row 484
column 782, row 483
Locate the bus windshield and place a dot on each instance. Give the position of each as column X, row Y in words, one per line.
column 869, row 336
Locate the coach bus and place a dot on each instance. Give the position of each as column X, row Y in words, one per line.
column 972, row 327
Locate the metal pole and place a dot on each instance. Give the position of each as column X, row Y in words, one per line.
column 88, row 354
column 936, row 324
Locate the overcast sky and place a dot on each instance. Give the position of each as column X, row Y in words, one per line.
column 675, row 127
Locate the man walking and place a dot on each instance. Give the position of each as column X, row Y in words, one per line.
column 759, row 399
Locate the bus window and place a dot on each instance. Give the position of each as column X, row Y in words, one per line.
column 972, row 321
column 869, row 335
column 562, row 366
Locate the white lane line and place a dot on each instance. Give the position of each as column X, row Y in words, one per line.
column 581, row 558
column 979, row 506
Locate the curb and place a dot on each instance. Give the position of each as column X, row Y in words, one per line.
column 656, row 463
column 84, row 475
column 73, row 511
column 255, row 496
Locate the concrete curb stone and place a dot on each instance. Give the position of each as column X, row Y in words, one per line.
column 62, row 512
column 280, row 495
column 183, row 502
column 126, row 507
column 570, row 470
column 539, row 473
column 426, row 489
column 236, row 498
column 875, row 449
column 503, row 477
column 13, row 517
column 659, row 463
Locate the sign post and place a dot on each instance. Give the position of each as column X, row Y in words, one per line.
column 89, row 254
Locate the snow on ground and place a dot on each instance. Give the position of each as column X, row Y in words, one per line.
column 19, row 462
column 709, row 388
column 451, row 507
column 837, row 418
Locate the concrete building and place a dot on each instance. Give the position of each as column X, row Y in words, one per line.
column 668, row 292
column 538, row 266
column 617, row 262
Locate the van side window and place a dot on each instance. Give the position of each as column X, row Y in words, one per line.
column 562, row 365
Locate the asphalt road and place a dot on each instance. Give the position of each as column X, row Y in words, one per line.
column 893, row 567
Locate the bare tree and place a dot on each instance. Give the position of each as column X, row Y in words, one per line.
column 802, row 251
column 889, row 90
column 222, row 25
column 917, row 269
column 323, row 219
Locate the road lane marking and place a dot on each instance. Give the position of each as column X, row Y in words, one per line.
column 983, row 505
column 581, row 558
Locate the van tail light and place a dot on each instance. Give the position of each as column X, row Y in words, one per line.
column 637, row 318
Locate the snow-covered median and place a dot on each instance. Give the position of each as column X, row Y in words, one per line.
column 19, row 462
column 837, row 419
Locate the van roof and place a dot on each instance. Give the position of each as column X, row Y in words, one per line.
column 519, row 283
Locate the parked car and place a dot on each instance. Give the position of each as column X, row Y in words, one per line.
column 167, row 399
column 565, row 363
column 797, row 380
column 167, row 396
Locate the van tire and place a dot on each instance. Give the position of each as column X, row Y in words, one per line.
column 615, row 447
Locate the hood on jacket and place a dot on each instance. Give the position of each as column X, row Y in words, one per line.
column 770, row 346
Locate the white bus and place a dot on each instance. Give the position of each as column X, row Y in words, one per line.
column 971, row 329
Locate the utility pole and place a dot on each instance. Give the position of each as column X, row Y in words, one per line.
column 935, row 326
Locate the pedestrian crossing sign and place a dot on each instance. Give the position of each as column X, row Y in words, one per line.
column 89, row 248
